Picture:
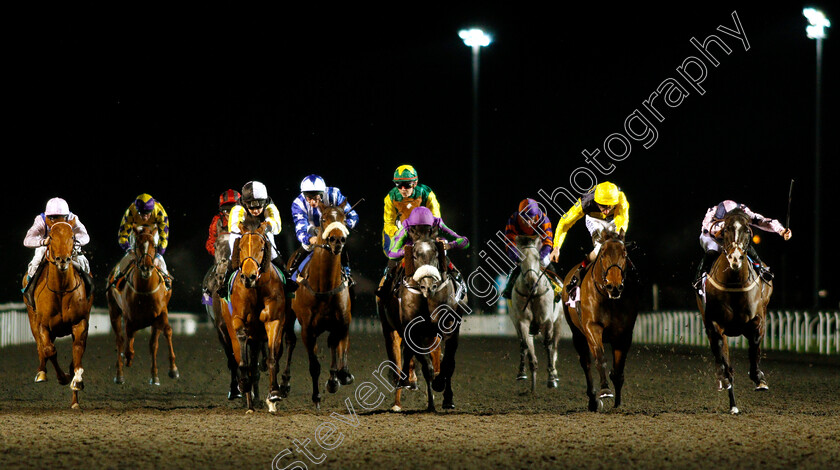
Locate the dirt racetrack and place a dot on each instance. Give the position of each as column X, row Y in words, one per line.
column 672, row 416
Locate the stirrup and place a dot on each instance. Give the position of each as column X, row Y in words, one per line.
column 765, row 274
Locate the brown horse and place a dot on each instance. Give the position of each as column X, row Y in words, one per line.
column 139, row 299
column 255, row 314
column 603, row 310
column 735, row 304
column 61, row 307
column 323, row 304
column 422, row 321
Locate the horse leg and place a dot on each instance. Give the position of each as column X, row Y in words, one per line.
column 594, row 336
column 80, row 332
column 756, row 374
column 582, row 348
column 274, row 346
column 522, row 332
column 291, row 340
column 50, row 353
column 532, row 358
column 620, row 350
column 550, row 338
column 332, row 382
column 128, row 354
column 167, row 331
column 41, row 374
column 116, row 324
column 428, row 374
column 344, row 375
column 393, row 346
column 309, row 341
column 153, row 349
column 448, row 369
column 720, row 349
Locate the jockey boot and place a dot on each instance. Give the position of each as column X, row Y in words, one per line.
column 511, row 280
column 30, row 286
column 345, row 263
column 760, row 267
column 88, row 280
column 291, row 285
column 578, row 274
column 385, row 284
column 703, row 268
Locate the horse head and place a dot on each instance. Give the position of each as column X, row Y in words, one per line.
column 253, row 254
column 61, row 243
column 333, row 228
column 529, row 263
column 736, row 237
column 144, row 250
column 612, row 261
column 427, row 266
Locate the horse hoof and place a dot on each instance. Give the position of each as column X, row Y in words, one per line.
column 119, row 380
column 606, row 393
column 553, row 383
column 522, row 377
column 173, row 374
column 272, row 406
column 439, row 383
column 77, row 386
column 274, row 396
column 41, row 376
column 762, row 387
column 284, row 391
column 154, row 381
column 233, row 395
column 396, row 409
column 332, row 386
column 448, row 405
column 734, row 410
column 75, row 406
column 249, row 411
column 346, row 378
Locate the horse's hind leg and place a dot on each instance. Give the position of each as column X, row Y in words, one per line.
column 116, row 324
column 551, row 335
column 291, row 340
column 173, row 369
column 617, row 374
column 756, row 374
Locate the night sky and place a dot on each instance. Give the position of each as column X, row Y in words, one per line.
column 186, row 105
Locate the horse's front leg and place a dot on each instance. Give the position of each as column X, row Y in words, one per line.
column 620, row 349
column 153, row 350
column 551, row 335
column 594, row 336
column 274, row 340
column 343, row 362
column 309, row 342
column 582, row 348
column 80, row 333
column 48, row 347
column 428, row 374
column 725, row 374
column 447, row 370
column 291, row 340
column 167, row 331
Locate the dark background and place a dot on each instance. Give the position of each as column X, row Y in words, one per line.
column 104, row 105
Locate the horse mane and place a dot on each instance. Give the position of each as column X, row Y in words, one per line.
column 250, row 223
column 737, row 213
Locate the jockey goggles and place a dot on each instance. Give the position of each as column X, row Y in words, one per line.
column 406, row 184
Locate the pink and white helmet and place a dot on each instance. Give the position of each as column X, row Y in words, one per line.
column 57, row 206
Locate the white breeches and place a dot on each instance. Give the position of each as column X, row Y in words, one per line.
column 596, row 225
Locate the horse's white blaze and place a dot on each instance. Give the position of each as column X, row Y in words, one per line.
column 333, row 226
column 425, row 271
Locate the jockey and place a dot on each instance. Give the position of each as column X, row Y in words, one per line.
column 420, row 217
column 605, row 207
column 307, row 217
column 255, row 205
column 144, row 211
column 711, row 238
column 38, row 237
column 219, row 224
column 400, row 201
column 529, row 221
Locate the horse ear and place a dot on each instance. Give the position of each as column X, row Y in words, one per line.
column 621, row 235
column 434, row 233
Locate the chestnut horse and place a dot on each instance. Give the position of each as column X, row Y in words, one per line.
column 323, row 304
column 61, row 307
column 423, row 321
column 140, row 299
column 603, row 310
column 255, row 314
column 735, row 304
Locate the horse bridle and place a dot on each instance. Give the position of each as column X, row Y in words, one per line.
column 251, row 258
column 621, row 269
column 51, row 259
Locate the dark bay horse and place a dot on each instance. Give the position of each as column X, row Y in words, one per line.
column 424, row 319
column 735, row 304
column 255, row 314
column 61, row 307
column 140, row 299
column 212, row 280
column 323, row 304
column 604, row 310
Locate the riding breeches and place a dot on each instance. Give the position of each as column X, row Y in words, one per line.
column 594, row 226
column 79, row 261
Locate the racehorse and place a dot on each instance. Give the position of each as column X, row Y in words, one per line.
column 735, row 304
column 323, row 304
column 212, row 281
column 139, row 298
column 424, row 317
column 603, row 309
column 534, row 312
column 255, row 313
column 61, row 307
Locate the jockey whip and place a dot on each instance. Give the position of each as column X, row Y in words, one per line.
column 362, row 199
column 790, row 196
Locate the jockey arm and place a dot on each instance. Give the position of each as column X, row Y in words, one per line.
column 566, row 222
column 351, row 218
column 453, row 240
column 162, row 222
column 300, row 217
column 80, row 231
column 126, row 225
column 391, row 217
column 397, row 249
column 212, row 235
column 433, row 204
column 36, row 236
